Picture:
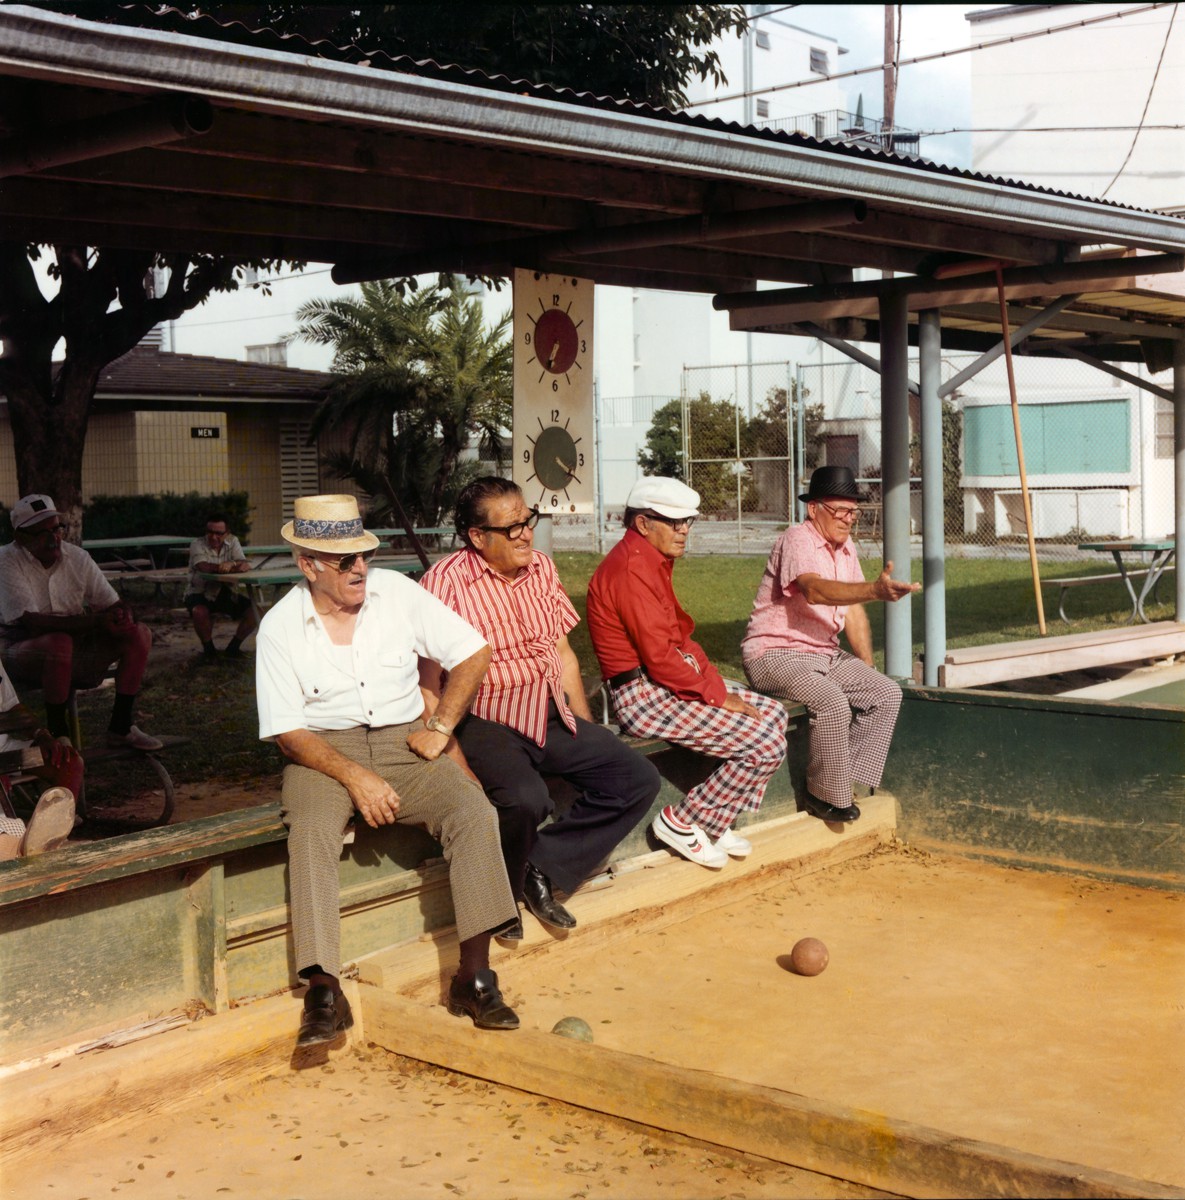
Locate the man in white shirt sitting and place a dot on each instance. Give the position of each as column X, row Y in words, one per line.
column 337, row 678
column 62, row 624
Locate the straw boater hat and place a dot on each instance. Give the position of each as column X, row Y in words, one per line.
column 331, row 524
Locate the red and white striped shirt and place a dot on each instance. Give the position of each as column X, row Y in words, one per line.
column 523, row 620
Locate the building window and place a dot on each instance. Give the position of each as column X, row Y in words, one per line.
column 274, row 354
column 819, row 63
column 299, row 475
column 763, row 108
column 1164, row 428
column 762, row 40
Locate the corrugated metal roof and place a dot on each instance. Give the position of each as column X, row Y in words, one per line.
column 170, row 17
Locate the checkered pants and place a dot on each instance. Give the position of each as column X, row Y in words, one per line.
column 853, row 710
column 753, row 747
column 435, row 795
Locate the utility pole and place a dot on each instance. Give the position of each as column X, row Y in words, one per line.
column 890, row 76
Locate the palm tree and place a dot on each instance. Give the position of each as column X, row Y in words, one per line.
column 420, row 376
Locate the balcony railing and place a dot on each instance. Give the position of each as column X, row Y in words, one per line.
column 853, row 129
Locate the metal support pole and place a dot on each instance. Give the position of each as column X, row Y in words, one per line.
column 1179, row 466
column 599, row 501
column 894, row 320
column 933, row 515
column 800, row 461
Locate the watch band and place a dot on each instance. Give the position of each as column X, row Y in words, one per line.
column 438, row 726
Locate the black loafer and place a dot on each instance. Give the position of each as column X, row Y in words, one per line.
column 326, row 1015
column 831, row 812
column 538, row 897
column 481, row 1000
column 512, row 933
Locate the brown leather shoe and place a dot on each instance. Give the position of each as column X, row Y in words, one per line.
column 481, row 1000
column 326, row 1015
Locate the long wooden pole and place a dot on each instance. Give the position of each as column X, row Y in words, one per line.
column 416, row 544
column 1020, row 450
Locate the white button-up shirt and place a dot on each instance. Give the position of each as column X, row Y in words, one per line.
column 73, row 585
column 9, row 699
column 200, row 551
column 298, row 684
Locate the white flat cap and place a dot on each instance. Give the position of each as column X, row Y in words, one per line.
column 668, row 497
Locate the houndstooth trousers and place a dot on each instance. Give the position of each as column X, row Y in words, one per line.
column 435, row 795
column 752, row 747
column 853, row 711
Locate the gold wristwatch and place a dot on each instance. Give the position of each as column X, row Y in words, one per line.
column 438, row 726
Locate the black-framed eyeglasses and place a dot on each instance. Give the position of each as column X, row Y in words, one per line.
column 840, row 514
column 515, row 531
column 676, row 523
column 343, row 564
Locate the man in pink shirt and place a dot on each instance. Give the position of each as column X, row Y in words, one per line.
column 812, row 589
column 663, row 684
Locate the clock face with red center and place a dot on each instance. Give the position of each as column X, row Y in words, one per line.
column 553, row 391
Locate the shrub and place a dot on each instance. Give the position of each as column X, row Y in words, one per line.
column 133, row 516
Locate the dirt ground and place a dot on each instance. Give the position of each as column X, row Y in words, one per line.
column 1041, row 1012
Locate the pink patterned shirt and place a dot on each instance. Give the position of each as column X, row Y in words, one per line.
column 782, row 619
column 523, row 622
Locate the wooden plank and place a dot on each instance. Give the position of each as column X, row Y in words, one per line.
column 1152, row 631
column 847, row 1143
column 1043, row 659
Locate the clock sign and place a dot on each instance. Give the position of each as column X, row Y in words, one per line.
column 553, row 391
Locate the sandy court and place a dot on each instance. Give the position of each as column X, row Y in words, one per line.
column 1041, row 1012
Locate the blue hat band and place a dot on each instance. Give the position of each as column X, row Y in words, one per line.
column 327, row 530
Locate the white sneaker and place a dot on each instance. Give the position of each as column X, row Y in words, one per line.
column 692, row 843
column 135, row 739
column 52, row 822
column 733, row 844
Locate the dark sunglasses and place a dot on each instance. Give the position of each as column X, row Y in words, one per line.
column 515, row 531
column 675, row 523
column 343, row 564
column 52, row 531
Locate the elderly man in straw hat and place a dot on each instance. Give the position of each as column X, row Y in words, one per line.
column 338, row 692
column 663, row 684
column 812, row 589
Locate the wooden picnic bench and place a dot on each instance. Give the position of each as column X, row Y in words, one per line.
column 975, row 666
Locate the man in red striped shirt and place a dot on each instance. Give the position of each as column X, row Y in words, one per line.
column 530, row 716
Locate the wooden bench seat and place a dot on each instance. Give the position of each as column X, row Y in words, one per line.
column 975, row 666
column 1073, row 581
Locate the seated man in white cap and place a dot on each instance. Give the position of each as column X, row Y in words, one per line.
column 337, row 682
column 813, row 588
column 663, row 685
column 62, row 624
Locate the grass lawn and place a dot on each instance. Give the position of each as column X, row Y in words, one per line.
column 987, row 601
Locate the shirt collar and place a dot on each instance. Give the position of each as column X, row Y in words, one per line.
column 308, row 612
column 474, row 565
column 637, row 544
column 845, row 546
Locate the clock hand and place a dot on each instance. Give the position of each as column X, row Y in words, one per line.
column 570, row 471
column 551, row 359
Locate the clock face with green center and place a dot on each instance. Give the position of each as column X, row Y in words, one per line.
column 553, row 391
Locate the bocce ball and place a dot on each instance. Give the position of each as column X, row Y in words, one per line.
column 809, row 957
column 573, row 1027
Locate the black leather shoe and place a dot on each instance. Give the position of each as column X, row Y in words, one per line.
column 512, row 933
column 326, row 1014
column 830, row 812
column 481, row 1000
column 538, row 897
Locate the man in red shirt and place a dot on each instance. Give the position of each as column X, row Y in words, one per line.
column 663, row 684
column 530, row 716
column 812, row 589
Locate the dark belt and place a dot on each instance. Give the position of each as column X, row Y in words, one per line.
column 625, row 677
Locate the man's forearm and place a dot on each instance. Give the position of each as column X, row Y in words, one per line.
column 858, row 630
column 308, row 749
column 461, row 686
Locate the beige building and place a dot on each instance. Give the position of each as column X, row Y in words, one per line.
column 178, row 423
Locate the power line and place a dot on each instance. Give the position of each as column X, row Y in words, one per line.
column 1045, row 129
column 1147, row 102
column 921, row 58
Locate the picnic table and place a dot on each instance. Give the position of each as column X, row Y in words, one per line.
column 1161, row 551
column 157, row 545
column 258, row 578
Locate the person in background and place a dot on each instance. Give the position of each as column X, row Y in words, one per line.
column 217, row 552
column 812, row 590
column 62, row 624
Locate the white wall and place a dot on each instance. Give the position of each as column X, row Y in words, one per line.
column 1080, row 80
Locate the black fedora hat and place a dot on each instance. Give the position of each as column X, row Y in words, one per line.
column 833, row 481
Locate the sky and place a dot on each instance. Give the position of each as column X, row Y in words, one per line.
column 935, row 95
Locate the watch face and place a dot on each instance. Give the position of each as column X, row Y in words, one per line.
column 553, row 391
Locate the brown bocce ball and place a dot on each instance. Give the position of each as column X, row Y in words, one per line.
column 809, row 957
